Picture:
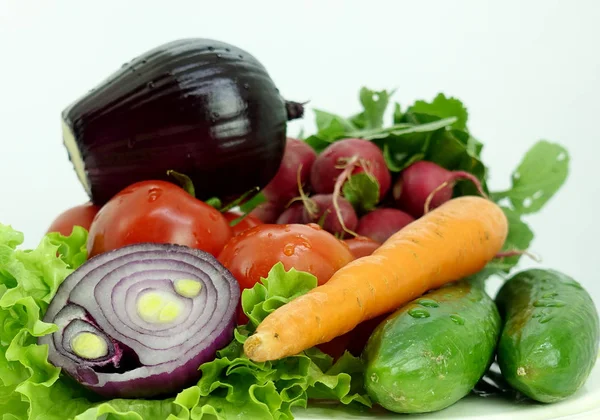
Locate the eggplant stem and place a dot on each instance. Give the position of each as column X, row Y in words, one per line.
column 184, row 181
column 294, row 110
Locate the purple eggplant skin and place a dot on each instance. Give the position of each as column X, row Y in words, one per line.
column 197, row 106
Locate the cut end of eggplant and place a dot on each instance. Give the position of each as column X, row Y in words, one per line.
column 75, row 156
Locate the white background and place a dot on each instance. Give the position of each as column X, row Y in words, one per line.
column 526, row 70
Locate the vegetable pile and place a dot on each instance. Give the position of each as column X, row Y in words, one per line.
column 223, row 269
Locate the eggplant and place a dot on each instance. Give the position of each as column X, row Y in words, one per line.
column 137, row 322
column 196, row 106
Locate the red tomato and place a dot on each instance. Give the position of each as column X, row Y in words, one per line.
column 361, row 246
column 81, row 215
column 159, row 212
column 252, row 254
column 246, row 223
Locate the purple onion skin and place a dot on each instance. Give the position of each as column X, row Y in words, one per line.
column 197, row 106
column 167, row 383
column 180, row 368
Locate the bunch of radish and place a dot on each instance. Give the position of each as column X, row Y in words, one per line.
column 308, row 188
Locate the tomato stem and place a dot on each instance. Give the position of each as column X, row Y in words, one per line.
column 184, row 181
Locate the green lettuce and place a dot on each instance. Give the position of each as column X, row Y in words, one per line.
column 232, row 386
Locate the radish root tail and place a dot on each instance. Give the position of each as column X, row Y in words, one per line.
column 467, row 176
column 309, row 205
column 516, row 252
column 337, row 191
column 433, row 193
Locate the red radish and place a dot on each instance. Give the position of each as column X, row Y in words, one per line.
column 293, row 171
column 267, row 212
column 329, row 164
column 361, row 246
column 320, row 209
column 293, row 214
column 382, row 223
column 425, row 180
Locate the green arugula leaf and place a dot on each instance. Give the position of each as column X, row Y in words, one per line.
column 398, row 114
column 374, row 103
column 451, row 153
column 541, row 173
column 317, row 143
column 359, row 120
column 519, row 238
column 402, row 129
column 362, row 191
column 331, row 125
column 443, row 107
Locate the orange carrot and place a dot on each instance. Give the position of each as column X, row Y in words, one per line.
column 453, row 241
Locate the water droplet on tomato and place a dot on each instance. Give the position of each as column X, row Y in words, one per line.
column 154, row 194
column 457, row 319
column 287, row 229
column 314, row 226
column 269, row 235
column 289, row 249
column 213, row 216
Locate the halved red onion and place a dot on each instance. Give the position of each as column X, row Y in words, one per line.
column 137, row 322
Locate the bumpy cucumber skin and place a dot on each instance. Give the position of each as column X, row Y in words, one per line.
column 419, row 365
column 549, row 341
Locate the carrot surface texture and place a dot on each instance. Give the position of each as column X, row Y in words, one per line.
column 449, row 243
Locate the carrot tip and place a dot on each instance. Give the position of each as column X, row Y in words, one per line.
column 254, row 347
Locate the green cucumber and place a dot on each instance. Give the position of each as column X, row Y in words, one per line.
column 431, row 352
column 549, row 341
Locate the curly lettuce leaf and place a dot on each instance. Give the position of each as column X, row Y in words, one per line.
column 232, row 386
column 277, row 289
column 30, row 387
